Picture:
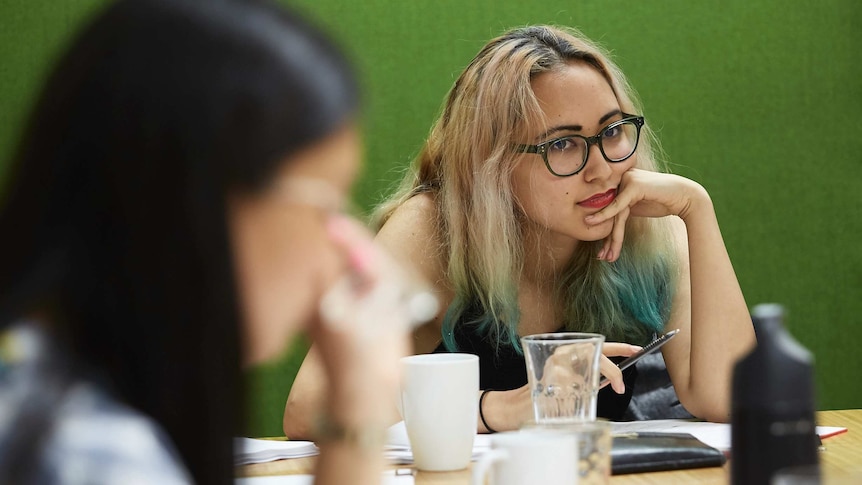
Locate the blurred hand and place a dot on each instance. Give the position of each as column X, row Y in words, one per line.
column 364, row 326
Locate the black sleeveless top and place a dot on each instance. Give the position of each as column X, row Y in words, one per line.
column 506, row 369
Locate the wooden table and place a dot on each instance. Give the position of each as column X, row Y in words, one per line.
column 841, row 461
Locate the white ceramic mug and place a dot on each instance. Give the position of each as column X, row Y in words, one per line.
column 526, row 457
column 440, row 407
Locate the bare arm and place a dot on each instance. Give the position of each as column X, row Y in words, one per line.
column 708, row 306
column 306, row 398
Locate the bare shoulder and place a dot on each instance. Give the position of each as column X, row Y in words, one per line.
column 412, row 236
column 412, row 229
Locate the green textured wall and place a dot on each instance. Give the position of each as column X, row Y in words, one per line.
column 758, row 101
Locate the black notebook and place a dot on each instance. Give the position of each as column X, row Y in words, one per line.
column 651, row 452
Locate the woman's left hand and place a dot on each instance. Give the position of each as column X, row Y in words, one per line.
column 643, row 193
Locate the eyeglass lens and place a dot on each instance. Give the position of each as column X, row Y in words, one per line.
column 569, row 154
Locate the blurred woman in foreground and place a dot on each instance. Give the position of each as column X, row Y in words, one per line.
column 171, row 215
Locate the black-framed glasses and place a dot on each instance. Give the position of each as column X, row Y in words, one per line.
column 567, row 155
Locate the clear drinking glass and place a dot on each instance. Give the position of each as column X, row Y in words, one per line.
column 563, row 374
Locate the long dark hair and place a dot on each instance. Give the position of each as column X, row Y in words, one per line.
column 114, row 226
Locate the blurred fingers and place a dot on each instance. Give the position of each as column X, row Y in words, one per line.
column 375, row 295
column 355, row 241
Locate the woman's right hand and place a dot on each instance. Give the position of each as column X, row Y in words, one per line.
column 609, row 369
column 509, row 410
column 506, row 410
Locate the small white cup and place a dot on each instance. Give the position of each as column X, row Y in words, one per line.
column 594, row 448
column 440, row 407
column 527, row 457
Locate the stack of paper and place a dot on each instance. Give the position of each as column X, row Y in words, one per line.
column 397, row 449
column 248, row 450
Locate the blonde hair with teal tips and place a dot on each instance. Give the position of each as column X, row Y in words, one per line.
column 467, row 164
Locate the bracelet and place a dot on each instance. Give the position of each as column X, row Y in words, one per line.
column 482, row 414
column 366, row 437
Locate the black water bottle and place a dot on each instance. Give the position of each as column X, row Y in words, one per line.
column 772, row 415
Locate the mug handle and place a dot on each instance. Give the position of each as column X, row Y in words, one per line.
column 480, row 470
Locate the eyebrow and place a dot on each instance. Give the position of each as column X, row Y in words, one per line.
column 555, row 129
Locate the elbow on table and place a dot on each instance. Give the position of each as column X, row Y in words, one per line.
column 709, row 408
column 714, row 416
column 296, row 422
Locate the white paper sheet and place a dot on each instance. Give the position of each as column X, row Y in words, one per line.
column 716, row 435
column 397, row 449
column 249, row 450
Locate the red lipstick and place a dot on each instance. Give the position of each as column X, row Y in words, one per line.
column 599, row 201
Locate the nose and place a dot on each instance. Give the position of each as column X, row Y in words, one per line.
column 597, row 167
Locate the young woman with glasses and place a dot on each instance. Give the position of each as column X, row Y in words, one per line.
column 537, row 205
